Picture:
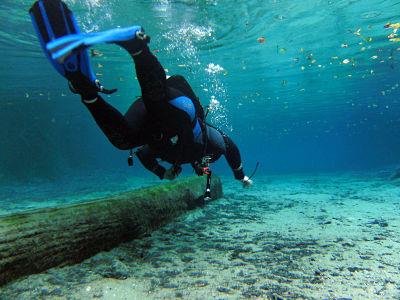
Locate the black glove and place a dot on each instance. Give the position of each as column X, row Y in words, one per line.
column 172, row 172
column 198, row 168
column 135, row 45
column 86, row 88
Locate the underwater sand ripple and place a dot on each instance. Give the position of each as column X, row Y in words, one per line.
column 319, row 237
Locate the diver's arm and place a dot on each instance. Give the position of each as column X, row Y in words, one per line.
column 148, row 159
column 234, row 160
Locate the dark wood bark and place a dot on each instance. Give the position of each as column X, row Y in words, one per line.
column 35, row 241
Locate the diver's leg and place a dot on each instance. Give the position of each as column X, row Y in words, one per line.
column 152, row 80
column 150, row 73
column 117, row 128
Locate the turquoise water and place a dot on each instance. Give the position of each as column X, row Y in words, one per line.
column 290, row 103
column 316, row 103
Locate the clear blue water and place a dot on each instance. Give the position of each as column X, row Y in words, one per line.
column 319, row 97
column 290, row 103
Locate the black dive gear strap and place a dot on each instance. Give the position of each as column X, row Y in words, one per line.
column 130, row 158
column 255, row 170
column 207, row 194
column 201, row 169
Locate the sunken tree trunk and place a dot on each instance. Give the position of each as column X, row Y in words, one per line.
column 35, row 241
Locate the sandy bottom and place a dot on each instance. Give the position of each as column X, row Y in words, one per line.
column 298, row 237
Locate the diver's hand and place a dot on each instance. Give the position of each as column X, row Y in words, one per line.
column 172, row 172
column 247, row 182
column 87, row 89
column 198, row 169
column 137, row 43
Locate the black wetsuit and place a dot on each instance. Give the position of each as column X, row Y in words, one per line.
column 217, row 144
column 162, row 113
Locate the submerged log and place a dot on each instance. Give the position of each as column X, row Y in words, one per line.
column 35, row 241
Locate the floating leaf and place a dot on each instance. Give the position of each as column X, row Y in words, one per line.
column 261, row 40
column 94, row 53
column 394, row 26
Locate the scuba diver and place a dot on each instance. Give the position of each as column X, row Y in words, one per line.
column 167, row 122
column 217, row 144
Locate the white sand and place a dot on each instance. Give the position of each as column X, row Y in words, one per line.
column 300, row 237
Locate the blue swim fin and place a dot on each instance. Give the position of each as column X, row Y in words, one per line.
column 52, row 19
column 63, row 47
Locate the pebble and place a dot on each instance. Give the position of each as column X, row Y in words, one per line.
column 201, row 283
column 380, row 222
column 196, row 274
column 187, row 259
column 354, row 269
column 348, row 244
column 252, row 292
column 57, row 292
column 44, row 292
column 116, row 270
column 223, row 290
column 186, row 250
column 169, row 285
column 170, row 273
column 98, row 295
column 249, row 281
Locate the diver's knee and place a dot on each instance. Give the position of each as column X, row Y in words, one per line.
column 121, row 144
